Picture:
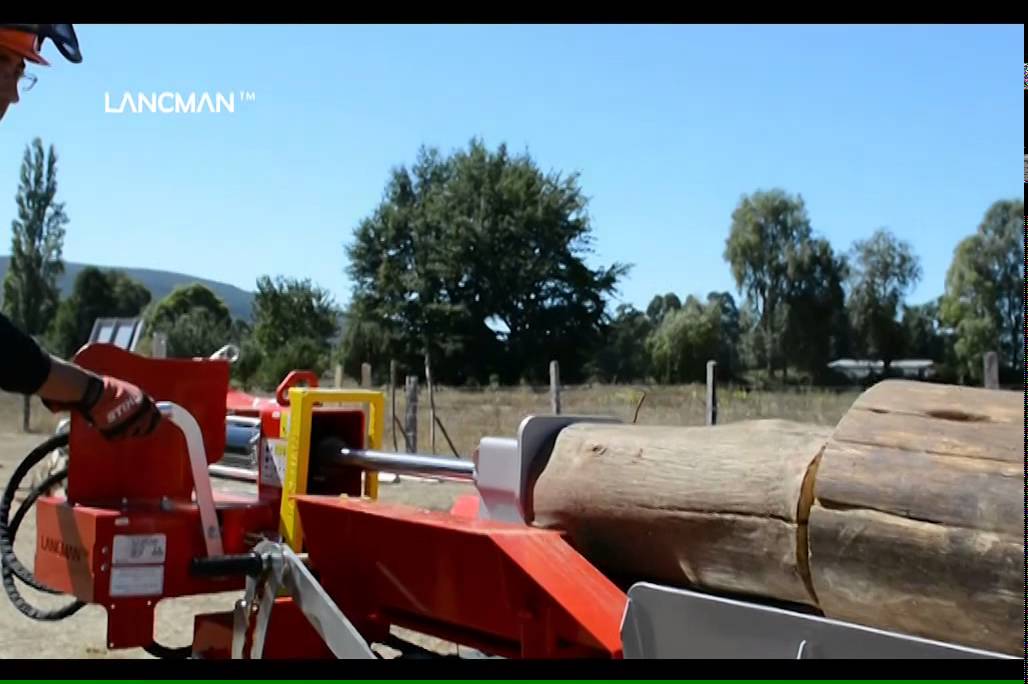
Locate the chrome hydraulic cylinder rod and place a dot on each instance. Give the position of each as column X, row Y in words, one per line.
column 400, row 464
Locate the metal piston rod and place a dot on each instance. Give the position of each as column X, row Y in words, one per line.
column 334, row 451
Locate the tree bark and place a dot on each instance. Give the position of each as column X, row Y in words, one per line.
column 917, row 524
column 906, row 517
column 715, row 508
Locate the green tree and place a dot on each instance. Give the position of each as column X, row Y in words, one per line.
column 984, row 298
column 728, row 356
column 184, row 299
column 294, row 323
column 30, row 289
column 623, row 356
column 95, row 294
column 816, row 329
column 884, row 269
column 752, row 346
column 684, row 342
column 768, row 227
column 31, row 292
column 922, row 337
column 364, row 340
column 661, row 306
column 196, row 321
column 478, row 260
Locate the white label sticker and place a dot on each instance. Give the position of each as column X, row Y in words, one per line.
column 137, row 581
column 273, row 462
column 140, row 549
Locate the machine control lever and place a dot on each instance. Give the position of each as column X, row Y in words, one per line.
column 250, row 564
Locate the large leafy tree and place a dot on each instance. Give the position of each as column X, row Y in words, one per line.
column 294, row 324
column 686, row 339
column 815, row 328
column 984, row 298
column 623, row 356
column 768, row 228
column 884, row 269
column 196, row 321
column 478, row 259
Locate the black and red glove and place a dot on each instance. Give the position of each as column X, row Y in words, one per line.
column 116, row 408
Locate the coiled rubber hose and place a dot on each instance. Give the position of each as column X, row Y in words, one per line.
column 12, row 567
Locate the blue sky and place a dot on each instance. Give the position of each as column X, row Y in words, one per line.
column 912, row 128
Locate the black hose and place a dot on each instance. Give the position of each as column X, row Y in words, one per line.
column 6, row 532
column 168, row 653
column 12, row 567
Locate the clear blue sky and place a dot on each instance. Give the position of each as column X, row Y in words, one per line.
column 915, row 129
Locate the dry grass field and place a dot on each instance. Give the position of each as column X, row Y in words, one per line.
column 467, row 416
column 470, row 415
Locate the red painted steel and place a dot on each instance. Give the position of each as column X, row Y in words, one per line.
column 505, row 589
column 104, row 472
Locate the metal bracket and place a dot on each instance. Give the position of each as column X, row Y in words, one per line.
column 506, row 469
column 664, row 622
column 283, row 569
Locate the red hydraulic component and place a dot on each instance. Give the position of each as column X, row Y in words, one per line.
column 295, row 378
column 105, row 472
column 128, row 530
column 502, row 588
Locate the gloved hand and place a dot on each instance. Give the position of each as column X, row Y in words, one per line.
column 116, row 408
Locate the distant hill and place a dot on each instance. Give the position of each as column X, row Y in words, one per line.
column 160, row 284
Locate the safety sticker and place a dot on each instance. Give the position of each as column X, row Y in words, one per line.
column 139, row 549
column 273, row 462
column 137, row 581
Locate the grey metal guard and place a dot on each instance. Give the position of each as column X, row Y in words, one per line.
column 665, row 622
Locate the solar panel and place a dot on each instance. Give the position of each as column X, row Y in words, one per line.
column 121, row 332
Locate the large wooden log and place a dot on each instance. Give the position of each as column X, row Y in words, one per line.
column 718, row 508
column 907, row 516
column 917, row 524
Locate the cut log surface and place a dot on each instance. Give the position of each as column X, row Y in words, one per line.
column 917, row 524
column 719, row 508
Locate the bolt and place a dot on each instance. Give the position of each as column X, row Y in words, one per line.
column 103, row 568
column 103, row 550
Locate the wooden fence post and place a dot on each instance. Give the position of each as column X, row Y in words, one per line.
column 991, row 370
column 339, row 375
column 365, row 375
column 555, row 387
column 412, row 414
column 431, row 402
column 159, row 346
column 711, row 392
column 392, row 398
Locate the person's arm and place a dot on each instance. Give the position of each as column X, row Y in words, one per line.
column 116, row 408
column 24, row 366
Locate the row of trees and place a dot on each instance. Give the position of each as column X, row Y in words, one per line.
column 805, row 305
column 478, row 260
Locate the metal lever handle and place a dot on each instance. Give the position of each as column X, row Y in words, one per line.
column 185, row 422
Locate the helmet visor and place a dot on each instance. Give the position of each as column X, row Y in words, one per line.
column 62, row 35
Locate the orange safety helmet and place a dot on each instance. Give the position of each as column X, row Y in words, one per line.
column 25, row 40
